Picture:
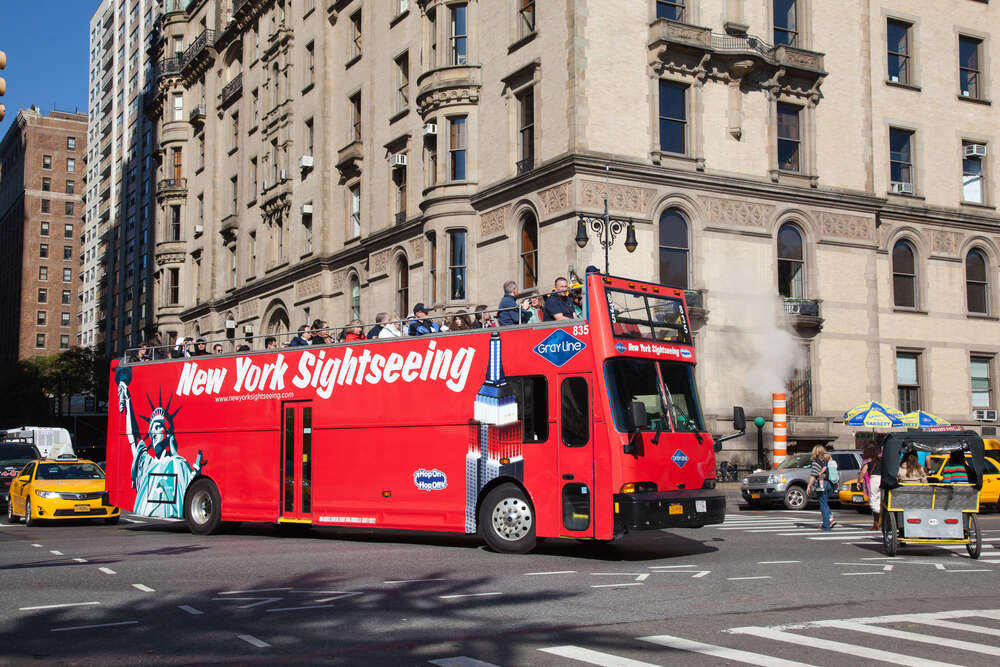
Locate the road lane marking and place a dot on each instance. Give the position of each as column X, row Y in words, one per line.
column 865, row 652
column 468, row 595
column 190, row 610
column 80, row 560
column 144, row 588
column 107, row 570
column 854, row 574
column 776, row 562
column 540, row 574
column 721, row 652
column 98, row 625
column 407, row 581
column 701, row 574
column 55, row 553
column 460, row 661
column 36, row 545
column 253, row 641
column 259, row 602
column 57, row 606
column 669, row 567
column 745, row 578
column 314, row 606
column 259, row 590
column 594, row 657
column 614, row 585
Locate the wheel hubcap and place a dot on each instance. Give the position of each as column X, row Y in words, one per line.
column 795, row 497
column 201, row 507
column 512, row 519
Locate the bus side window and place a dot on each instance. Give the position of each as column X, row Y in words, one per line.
column 532, row 393
column 575, row 416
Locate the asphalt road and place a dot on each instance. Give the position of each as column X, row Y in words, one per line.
column 765, row 586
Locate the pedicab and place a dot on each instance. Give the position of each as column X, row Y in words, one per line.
column 931, row 513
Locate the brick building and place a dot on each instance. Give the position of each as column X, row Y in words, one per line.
column 41, row 203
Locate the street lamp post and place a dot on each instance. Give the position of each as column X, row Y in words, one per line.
column 606, row 228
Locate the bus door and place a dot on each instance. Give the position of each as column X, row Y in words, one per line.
column 576, row 454
column 296, row 462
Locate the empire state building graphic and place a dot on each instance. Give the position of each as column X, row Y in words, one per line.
column 495, row 442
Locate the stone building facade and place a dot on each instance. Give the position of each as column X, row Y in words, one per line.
column 41, row 187
column 820, row 176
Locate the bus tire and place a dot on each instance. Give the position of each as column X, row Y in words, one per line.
column 507, row 520
column 203, row 507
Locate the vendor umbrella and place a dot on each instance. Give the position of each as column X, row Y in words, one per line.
column 873, row 415
column 921, row 419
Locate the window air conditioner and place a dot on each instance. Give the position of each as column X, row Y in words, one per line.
column 282, row 176
column 975, row 150
column 248, row 329
column 264, row 184
column 397, row 160
column 230, row 324
column 198, row 229
column 306, row 162
column 307, row 209
column 894, row 79
column 430, row 128
column 901, row 188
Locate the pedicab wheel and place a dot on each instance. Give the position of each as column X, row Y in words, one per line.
column 890, row 533
column 975, row 544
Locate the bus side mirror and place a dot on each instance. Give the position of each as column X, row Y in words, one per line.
column 637, row 415
column 739, row 418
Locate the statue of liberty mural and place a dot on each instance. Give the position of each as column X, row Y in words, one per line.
column 159, row 474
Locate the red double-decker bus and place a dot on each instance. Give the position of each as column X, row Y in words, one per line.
column 586, row 428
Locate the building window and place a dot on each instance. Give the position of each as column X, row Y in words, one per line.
column 526, row 131
column 309, row 136
column 673, row 230
column 785, row 24
column 175, row 223
column 70, row 187
column 402, row 6
column 232, row 266
column 457, row 146
column 307, row 233
column 431, row 158
column 40, row 318
column 67, row 275
column 355, row 297
column 433, row 41
column 71, row 143
column 43, row 295
column 43, row 273
column 178, row 106
column 69, row 208
column 673, row 117
column 46, row 206
column 71, row 165
column 403, row 82
column 173, row 286
column 529, row 252
column 403, row 287
column 355, row 229
column 275, row 75
column 68, row 231
column 67, row 252
column 980, row 368
column 973, row 189
column 46, row 184
column 969, row 73
column 356, row 117
column 908, row 381
column 898, row 37
column 791, row 263
column 399, row 184
column 977, row 282
column 904, row 275
column 789, row 137
column 255, row 106
column 46, row 162
column 900, row 161
column 234, row 186
column 456, row 265
column 66, row 297
column 253, row 178
column 526, row 16
column 432, row 265
column 40, row 340
column 356, row 35
column 670, row 9
column 459, row 35
column 43, row 250
column 310, row 64
column 64, row 342
column 64, row 319
column 236, row 130
column 44, row 228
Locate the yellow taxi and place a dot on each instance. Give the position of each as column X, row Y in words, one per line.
column 852, row 494
column 990, row 493
column 60, row 489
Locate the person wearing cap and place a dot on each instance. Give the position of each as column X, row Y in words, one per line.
column 419, row 324
column 559, row 306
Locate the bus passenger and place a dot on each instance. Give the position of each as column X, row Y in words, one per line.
column 270, row 343
column 508, row 312
column 558, row 306
column 911, row 470
column 420, row 324
column 388, row 327
column 955, row 470
column 354, row 332
column 302, row 338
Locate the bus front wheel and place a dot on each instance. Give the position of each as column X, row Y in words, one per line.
column 507, row 520
column 203, row 507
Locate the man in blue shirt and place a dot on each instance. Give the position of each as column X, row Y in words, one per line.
column 509, row 313
column 559, row 306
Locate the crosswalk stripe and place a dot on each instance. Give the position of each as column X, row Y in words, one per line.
column 720, row 651
column 460, row 661
column 594, row 657
column 838, row 647
column 965, row 627
column 913, row 636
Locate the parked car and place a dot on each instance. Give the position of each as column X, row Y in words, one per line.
column 13, row 457
column 60, row 489
column 787, row 483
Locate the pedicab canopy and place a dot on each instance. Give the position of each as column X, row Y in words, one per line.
column 934, row 443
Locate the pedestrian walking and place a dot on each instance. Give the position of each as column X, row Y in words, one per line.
column 871, row 477
column 818, row 481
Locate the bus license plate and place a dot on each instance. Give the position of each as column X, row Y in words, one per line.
column 81, row 508
column 755, row 496
column 676, row 508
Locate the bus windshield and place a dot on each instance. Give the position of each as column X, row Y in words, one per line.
column 648, row 317
column 667, row 389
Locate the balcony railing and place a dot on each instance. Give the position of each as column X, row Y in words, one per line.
column 171, row 184
column 170, row 66
column 400, row 217
column 525, row 165
column 802, row 307
column 200, row 43
column 197, row 114
column 232, row 90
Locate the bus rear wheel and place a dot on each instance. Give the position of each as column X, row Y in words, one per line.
column 507, row 520
column 203, row 507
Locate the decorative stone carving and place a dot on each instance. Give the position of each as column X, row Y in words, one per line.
column 170, row 258
column 448, row 97
column 555, row 198
column 494, row 222
column 737, row 212
column 308, row 287
column 337, row 279
column 846, row 226
column 417, row 249
column 249, row 309
column 946, row 243
column 378, row 263
column 620, row 197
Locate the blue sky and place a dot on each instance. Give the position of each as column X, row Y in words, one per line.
column 47, row 53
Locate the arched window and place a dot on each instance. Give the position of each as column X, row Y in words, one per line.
column 673, row 249
column 355, row 298
column 529, row 252
column 976, row 282
column 278, row 322
column 402, row 286
column 791, row 263
column 904, row 275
